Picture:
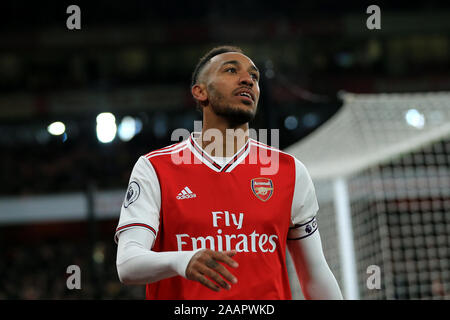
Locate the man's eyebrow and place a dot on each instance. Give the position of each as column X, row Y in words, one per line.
column 235, row 62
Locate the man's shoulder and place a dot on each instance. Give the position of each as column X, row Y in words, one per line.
column 284, row 158
column 165, row 153
column 281, row 154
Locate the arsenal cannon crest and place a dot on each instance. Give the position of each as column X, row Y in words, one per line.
column 262, row 188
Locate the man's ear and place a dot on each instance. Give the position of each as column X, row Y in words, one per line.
column 199, row 93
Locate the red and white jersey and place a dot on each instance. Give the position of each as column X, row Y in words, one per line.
column 247, row 204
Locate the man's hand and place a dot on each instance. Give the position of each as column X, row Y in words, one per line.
column 205, row 263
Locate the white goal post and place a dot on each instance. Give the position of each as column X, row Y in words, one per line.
column 381, row 168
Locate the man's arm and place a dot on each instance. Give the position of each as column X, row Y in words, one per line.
column 316, row 279
column 304, row 244
column 137, row 264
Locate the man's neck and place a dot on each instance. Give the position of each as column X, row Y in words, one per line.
column 220, row 140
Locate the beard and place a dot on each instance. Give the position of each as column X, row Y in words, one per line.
column 234, row 114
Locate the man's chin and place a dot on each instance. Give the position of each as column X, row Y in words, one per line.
column 238, row 117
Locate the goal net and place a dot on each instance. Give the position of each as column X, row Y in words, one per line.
column 381, row 168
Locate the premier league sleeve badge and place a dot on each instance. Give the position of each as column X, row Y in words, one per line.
column 132, row 195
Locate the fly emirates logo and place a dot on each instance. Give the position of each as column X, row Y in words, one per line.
column 253, row 242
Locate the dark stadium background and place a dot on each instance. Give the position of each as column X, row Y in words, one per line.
column 135, row 58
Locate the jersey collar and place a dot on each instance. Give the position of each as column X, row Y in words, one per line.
column 209, row 161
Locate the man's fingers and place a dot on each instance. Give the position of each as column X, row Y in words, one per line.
column 215, row 276
column 225, row 273
column 225, row 257
column 213, row 264
column 206, row 282
column 231, row 253
column 205, row 264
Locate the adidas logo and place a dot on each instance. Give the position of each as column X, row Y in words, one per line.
column 186, row 193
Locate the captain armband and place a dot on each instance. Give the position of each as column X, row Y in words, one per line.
column 303, row 230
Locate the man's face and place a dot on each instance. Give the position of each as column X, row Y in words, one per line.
column 231, row 81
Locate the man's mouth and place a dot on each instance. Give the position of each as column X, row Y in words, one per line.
column 246, row 94
column 245, row 98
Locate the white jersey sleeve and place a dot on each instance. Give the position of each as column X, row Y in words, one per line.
column 305, row 247
column 316, row 278
column 304, row 203
column 142, row 203
column 136, row 264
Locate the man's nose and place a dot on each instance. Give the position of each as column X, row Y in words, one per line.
column 245, row 78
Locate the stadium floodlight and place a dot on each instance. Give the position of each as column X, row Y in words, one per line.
column 106, row 127
column 291, row 122
column 56, row 128
column 128, row 128
column 415, row 119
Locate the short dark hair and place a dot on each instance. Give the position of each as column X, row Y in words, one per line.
column 208, row 56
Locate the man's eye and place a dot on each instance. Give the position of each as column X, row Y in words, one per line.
column 255, row 76
column 232, row 70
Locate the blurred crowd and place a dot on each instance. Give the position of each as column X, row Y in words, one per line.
column 66, row 167
column 39, row 271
